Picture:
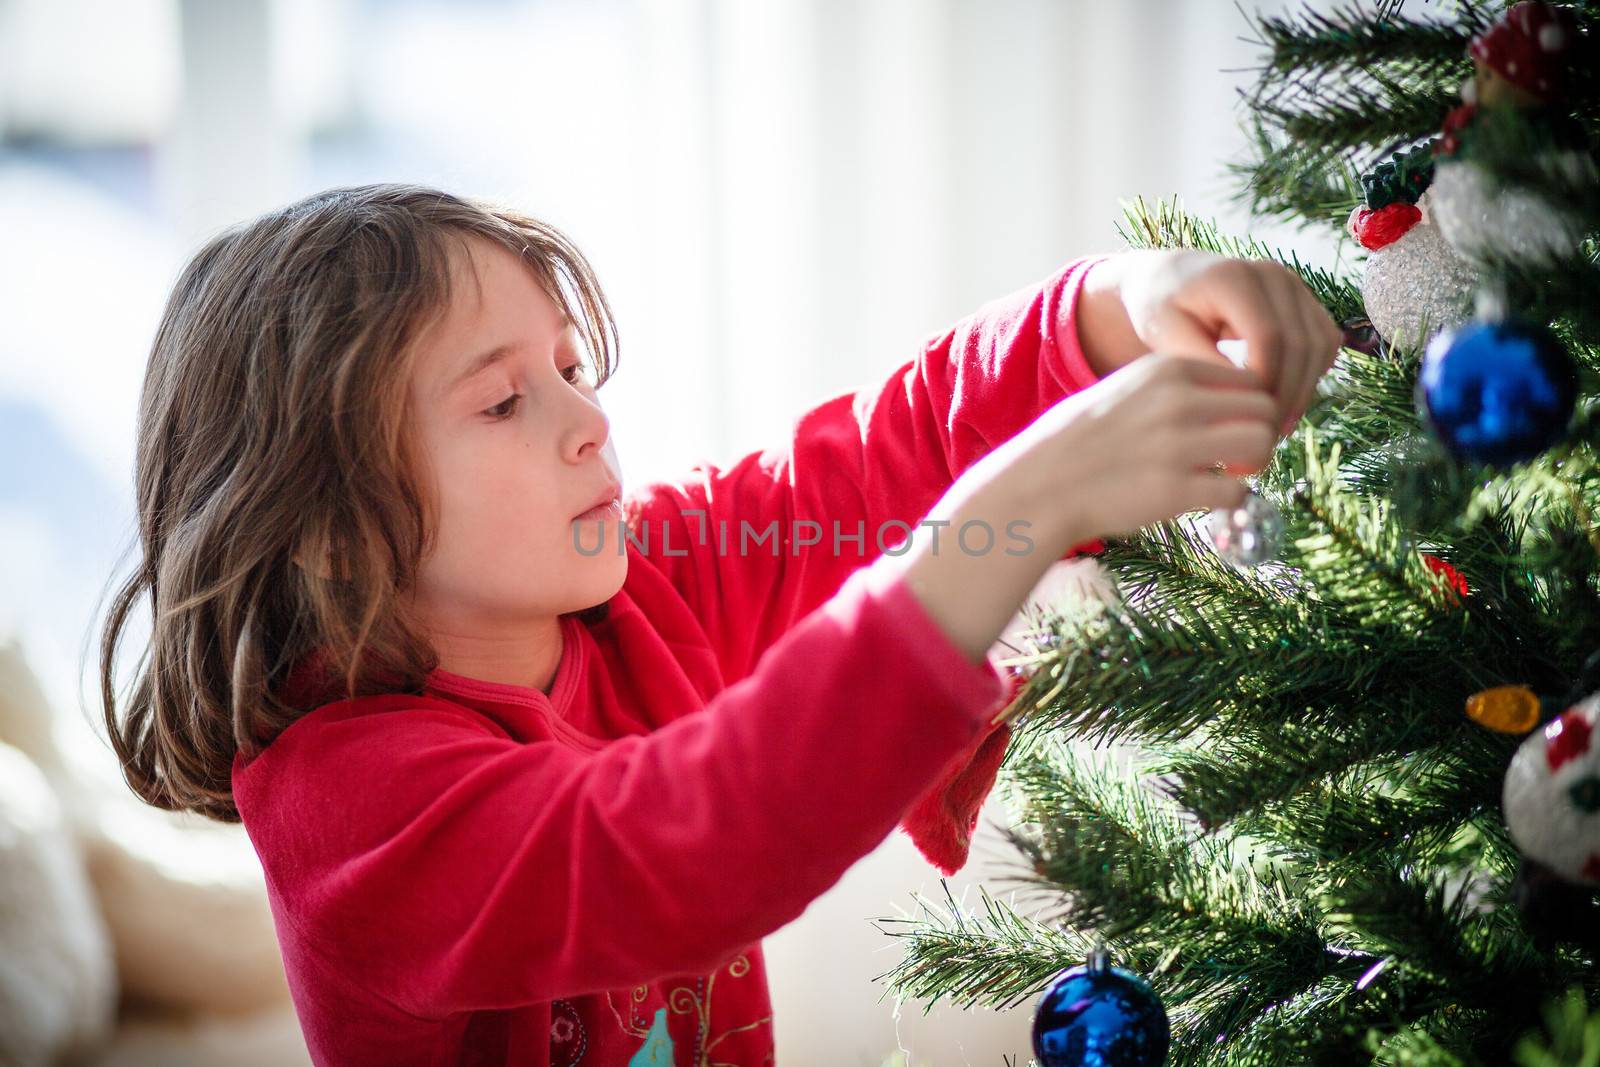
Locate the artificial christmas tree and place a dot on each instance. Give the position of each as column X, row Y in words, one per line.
column 1362, row 823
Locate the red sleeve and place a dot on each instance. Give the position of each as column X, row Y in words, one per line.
column 450, row 868
column 860, row 465
column 859, row 462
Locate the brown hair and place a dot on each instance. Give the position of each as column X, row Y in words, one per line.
column 272, row 426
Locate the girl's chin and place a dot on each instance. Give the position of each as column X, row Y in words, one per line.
column 603, row 580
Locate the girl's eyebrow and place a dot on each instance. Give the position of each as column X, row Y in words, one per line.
column 489, row 359
column 479, row 365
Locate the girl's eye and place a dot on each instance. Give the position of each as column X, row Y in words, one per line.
column 508, row 407
column 505, row 409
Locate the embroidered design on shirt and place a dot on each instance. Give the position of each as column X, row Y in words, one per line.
column 685, row 1000
column 631, row 1024
column 657, row 1048
column 568, row 1041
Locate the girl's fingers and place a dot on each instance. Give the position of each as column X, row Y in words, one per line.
column 1237, row 299
column 1217, row 372
column 1211, row 491
column 1241, row 446
column 1178, row 331
column 1214, row 405
column 1290, row 340
column 1332, row 338
column 1285, row 290
column 1323, row 339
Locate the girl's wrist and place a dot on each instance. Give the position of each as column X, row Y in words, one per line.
column 1105, row 332
column 1022, row 488
column 974, row 592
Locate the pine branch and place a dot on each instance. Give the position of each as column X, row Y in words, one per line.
column 1303, row 651
column 1338, row 91
column 1295, row 182
column 1313, row 47
column 1571, row 1037
column 1165, row 556
column 1378, row 119
column 1102, row 838
column 997, row 958
column 1330, row 1024
column 1145, row 676
column 1444, row 952
column 1134, row 873
column 1229, row 777
column 1366, row 402
column 1564, row 291
column 1128, row 860
column 1434, row 805
column 1167, row 225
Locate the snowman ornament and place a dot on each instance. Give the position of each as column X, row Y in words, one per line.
column 1521, row 70
column 1413, row 284
column 1551, row 795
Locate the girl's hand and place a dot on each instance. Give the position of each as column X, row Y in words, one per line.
column 1184, row 301
column 1150, row 441
column 1156, row 438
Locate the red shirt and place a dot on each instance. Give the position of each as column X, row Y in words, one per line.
column 483, row 874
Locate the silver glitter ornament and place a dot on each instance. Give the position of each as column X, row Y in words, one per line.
column 1249, row 534
column 1416, row 285
column 1475, row 219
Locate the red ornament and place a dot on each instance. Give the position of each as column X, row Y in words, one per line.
column 1451, row 575
column 1093, row 547
column 1529, row 47
column 1566, row 738
column 1385, row 225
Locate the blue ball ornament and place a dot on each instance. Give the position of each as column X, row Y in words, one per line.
column 1098, row 1015
column 1497, row 393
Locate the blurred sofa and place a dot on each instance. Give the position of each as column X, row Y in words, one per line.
column 129, row 937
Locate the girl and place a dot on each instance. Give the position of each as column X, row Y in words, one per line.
column 533, row 764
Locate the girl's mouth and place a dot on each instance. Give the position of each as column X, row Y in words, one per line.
column 608, row 510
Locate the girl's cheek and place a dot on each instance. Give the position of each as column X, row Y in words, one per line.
column 610, row 454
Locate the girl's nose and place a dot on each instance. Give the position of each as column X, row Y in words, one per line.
column 589, row 429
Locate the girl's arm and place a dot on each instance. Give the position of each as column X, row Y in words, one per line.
column 416, row 848
column 732, row 539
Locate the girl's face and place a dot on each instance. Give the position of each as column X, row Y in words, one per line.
column 517, row 447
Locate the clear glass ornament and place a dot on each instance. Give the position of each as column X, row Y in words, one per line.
column 1416, row 286
column 1249, row 534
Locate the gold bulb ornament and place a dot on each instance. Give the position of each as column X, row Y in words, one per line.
column 1507, row 709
